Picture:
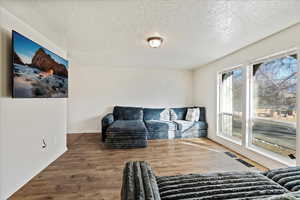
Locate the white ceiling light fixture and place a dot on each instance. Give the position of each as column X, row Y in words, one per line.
column 155, row 42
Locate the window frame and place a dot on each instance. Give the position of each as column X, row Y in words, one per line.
column 250, row 106
column 219, row 85
column 247, row 111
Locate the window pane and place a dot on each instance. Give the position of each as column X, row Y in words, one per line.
column 274, row 105
column 230, row 116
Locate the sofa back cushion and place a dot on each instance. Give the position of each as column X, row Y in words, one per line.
column 178, row 113
column 128, row 113
column 202, row 114
column 156, row 114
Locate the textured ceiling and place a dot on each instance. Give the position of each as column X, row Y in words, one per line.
column 112, row 33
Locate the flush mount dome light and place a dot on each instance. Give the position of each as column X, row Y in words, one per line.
column 155, row 42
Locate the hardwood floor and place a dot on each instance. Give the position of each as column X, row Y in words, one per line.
column 90, row 171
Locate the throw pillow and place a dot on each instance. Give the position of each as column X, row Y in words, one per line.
column 173, row 115
column 165, row 115
column 193, row 114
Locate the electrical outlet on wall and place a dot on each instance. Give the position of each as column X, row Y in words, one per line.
column 44, row 144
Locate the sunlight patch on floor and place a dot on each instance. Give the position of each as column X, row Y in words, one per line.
column 199, row 146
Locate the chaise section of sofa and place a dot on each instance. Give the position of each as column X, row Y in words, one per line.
column 124, row 128
column 140, row 182
column 127, row 134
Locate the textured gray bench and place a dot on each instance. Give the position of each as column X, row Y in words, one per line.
column 140, row 182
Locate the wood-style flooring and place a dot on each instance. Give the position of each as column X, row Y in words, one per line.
column 90, row 171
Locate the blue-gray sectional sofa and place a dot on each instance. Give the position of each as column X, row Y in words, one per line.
column 141, row 183
column 131, row 127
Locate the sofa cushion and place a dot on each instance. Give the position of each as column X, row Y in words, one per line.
column 183, row 125
column 221, row 186
column 202, row 116
column 129, row 126
column 156, row 114
column 128, row 113
column 178, row 113
column 287, row 177
column 160, row 126
column 201, row 125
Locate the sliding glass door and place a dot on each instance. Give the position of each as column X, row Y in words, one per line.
column 273, row 105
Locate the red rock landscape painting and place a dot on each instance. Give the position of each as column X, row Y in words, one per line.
column 37, row 72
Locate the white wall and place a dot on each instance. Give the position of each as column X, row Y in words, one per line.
column 95, row 90
column 25, row 122
column 205, row 81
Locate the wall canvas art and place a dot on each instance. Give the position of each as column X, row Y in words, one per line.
column 37, row 72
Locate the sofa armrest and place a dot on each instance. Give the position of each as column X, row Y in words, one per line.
column 107, row 120
column 139, row 182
